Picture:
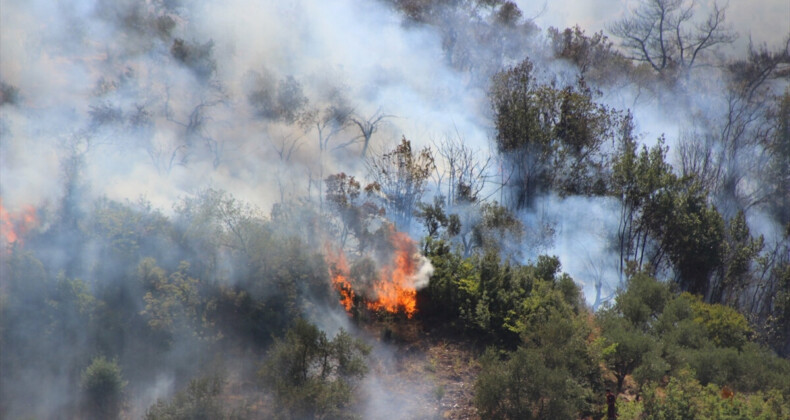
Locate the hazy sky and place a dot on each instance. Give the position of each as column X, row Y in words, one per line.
column 766, row 20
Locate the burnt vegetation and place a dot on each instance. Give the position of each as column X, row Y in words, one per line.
column 217, row 308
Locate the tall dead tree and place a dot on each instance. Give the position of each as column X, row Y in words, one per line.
column 667, row 35
column 368, row 126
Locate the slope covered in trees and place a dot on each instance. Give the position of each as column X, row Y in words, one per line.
column 429, row 208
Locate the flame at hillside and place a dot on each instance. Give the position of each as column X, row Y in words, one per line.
column 339, row 272
column 395, row 288
column 13, row 226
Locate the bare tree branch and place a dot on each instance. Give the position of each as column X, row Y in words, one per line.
column 663, row 34
column 368, row 126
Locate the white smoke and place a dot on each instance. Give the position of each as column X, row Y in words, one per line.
column 424, row 272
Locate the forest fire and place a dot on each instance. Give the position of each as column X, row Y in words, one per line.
column 395, row 289
column 14, row 226
column 339, row 273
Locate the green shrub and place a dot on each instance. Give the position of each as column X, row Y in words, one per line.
column 523, row 387
column 200, row 401
column 102, row 386
column 311, row 376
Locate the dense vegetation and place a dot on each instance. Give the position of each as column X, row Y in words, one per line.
column 217, row 309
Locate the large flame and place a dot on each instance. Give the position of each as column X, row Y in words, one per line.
column 14, row 226
column 395, row 289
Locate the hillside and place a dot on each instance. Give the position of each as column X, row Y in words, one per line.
column 416, row 209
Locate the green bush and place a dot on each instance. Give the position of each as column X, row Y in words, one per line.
column 200, row 401
column 311, row 376
column 685, row 398
column 102, row 386
column 523, row 387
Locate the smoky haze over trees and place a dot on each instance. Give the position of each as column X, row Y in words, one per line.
column 316, row 209
column 670, row 36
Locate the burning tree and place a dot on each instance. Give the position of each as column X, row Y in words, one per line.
column 390, row 285
column 13, row 226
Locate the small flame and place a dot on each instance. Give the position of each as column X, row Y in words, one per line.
column 395, row 290
column 14, row 226
column 339, row 272
column 6, row 227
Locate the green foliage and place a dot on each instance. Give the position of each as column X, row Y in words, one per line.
column 312, row 376
column 678, row 400
column 173, row 304
column 201, row 400
column 714, row 341
column 628, row 348
column 725, row 326
column 582, row 129
column 778, row 321
column 685, row 398
column 24, row 292
column 629, row 410
column 452, row 286
column 554, row 371
column 500, row 301
column 274, row 271
column 549, row 137
column 665, row 217
column 282, row 280
column 637, row 175
column 656, row 336
column 496, row 230
column 102, row 386
column 643, row 300
column 212, row 221
column 739, row 252
column 128, row 229
column 433, row 216
column 224, row 271
column 497, row 301
column 525, row 386
column 42, row 320
column 689, row 231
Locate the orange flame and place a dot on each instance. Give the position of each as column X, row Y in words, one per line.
column 393, row 291
column 14, row 226
column 6, row 227
column 339, row 272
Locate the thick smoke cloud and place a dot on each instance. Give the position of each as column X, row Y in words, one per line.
column 105, row 81
column 106, row 63
column 154, row 97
